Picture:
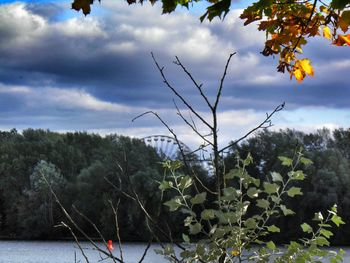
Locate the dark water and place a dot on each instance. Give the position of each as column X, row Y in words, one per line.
column 67, row 252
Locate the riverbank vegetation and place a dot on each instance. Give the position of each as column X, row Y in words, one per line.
column 85, row 168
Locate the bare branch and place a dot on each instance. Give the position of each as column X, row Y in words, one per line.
column 76, row 225
column 165, row 80
column 198, row 86
column 118, row 189
column 191, row 125
column 263, row 125
column 98, row 232
column 218, row 95
column 76, row 240
column 145, row 252
column 115, row 213
column 170, row 130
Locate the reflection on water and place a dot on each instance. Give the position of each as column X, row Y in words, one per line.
column 67, row 252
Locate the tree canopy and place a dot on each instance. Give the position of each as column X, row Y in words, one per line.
column 288, row 25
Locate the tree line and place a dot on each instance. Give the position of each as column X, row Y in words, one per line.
column 86, row 171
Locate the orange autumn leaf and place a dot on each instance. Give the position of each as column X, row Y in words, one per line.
column 327, row 32
column 305, row 65
column 342, row 40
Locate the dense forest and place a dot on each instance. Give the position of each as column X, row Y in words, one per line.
column 87, row 170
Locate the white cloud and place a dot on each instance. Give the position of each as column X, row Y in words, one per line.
column 81, row 28
column 78, row 99
column 19, row 26
column 14, row 89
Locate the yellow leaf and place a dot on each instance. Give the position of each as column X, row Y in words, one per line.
column 327, row 32
column 234, row 252
column 324, row 9
column 305, row 65
column 299, row 74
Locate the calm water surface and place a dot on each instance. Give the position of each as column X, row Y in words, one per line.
column 67, row 252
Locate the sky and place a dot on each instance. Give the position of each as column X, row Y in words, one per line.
column 62, row 71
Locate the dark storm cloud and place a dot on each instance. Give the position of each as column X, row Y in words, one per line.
column 109, row 57
column 50, row 11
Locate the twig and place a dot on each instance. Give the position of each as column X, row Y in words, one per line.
column 76, row 241
column 115, row 212
column 169, row 129
column 198, row 86
column 260, row 126
column 192, row 126
column 218, row 95
column 75, row 224
column 97, row 230
column 145, row 252
column 165, row 80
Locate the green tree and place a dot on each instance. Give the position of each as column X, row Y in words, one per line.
column 37, row 211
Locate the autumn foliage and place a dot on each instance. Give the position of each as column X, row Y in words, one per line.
column 288, row 25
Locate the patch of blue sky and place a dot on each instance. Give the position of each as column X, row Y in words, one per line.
column 32, row 1
column 314, row 116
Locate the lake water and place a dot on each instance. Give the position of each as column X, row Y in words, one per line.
column 67, row 252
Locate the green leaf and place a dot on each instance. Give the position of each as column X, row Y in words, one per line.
column 248, row 160
column 256, row 182
column 337, row 220
column 293, row 191
column 173, row 204
column 185, row 238
column 273, row 229
column 271, row 245
column 208, row 214
column 169, row 6
column 185, row 182
column 252, row 192
column 326, row 233
column 165, row 185
column 285, row 161
column 270, row 188
column 305, row 161
column 306, row 228
column 276, row 199
column 339, row 4
column 195, row 228
column 168, row 250
column 158, row 251
column 199, row 198
column 230, row 194
column 217, row 9
column 318, row 216
column 325, row 225
column 263, row 203
column 276, row 177
column 296, row 175
column 334, row 208
column 286, row 211
column 250, row 223
column 188, row 220
column 321, row 241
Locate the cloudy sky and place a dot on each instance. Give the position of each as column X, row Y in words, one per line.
column 62, row 71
